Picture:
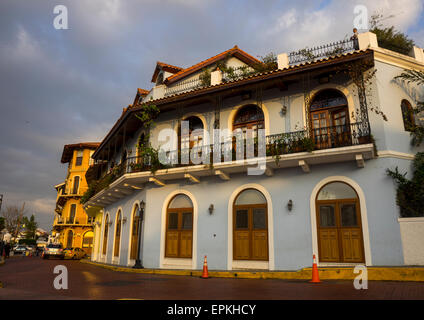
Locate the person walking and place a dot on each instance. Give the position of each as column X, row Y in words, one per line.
column 7, row 249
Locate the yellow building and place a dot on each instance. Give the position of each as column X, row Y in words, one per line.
column 72, row 227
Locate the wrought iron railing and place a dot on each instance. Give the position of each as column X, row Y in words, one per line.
column 324, row 51
column 276, row 145
column 184, row 86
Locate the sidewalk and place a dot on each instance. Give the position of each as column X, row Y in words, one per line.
column 326, row 273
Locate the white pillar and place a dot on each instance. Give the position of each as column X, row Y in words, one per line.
column 367, row 40
column 283, row 61
column 216, row 77
column 418, row 54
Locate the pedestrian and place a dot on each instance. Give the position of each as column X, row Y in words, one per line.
column 1, row 249
column 7, row 249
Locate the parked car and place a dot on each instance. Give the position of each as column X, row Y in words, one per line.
column 20, row 249
column 53, row 250
column 74, row 253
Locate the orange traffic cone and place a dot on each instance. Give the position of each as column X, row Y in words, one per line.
column 315, row 274
column 205, row 273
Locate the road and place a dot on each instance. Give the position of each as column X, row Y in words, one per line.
column 32, row 278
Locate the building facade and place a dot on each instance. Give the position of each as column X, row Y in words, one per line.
column 71, row 226
column 329, row 124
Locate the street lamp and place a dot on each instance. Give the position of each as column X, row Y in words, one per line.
column 140, row 216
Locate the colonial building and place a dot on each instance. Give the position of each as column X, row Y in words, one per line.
column 333, row 119
column 71, row 226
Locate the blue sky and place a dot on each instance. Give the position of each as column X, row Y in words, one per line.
column 67, row 86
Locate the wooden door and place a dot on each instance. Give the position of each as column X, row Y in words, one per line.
column 320, row 129
column 250, row 232
column 339, row 231
column 179, row 233
column 134, row 238
column 341, row 131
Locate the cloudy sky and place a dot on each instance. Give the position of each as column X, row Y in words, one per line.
column 67, row 86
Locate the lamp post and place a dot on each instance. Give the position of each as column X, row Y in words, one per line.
column 140, row 216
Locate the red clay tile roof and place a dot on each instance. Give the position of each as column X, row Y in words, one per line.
column 256, row 77
column 142, row 92
column 69, row 148
column 235, row 51
column 164, row 67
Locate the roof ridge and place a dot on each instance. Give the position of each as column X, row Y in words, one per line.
column 203, row 62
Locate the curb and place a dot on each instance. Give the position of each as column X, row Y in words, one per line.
column 325, row 273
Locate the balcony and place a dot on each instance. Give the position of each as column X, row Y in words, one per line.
column 76, row 222
column 351, row 142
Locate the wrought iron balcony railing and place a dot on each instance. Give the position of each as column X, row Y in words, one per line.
column 324, row 51
column 276, row 145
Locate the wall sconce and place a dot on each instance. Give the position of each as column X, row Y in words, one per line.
column 142, row 204
column 124, row 220
column 211, row 208
column 283, row 110
column 290, row 205
column 109, row 223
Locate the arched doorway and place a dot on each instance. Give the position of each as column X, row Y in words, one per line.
column 87, row 242
column 105, row 234
column 135, row 233
column 179, row 228
column 340, row 237
column 117, row 234
column 249, row 117
column 250, row 226
column 69, row 239
column 330, row 119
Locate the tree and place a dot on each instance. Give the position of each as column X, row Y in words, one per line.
column 13, row 219
column 389, row 37
column 410, row 193
column 30, row 227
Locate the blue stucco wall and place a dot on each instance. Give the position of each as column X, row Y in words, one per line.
column 292, row 231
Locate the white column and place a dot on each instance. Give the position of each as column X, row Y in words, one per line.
column 216, row 77
column 418, row 54
column 283, row 61
column 367, row 40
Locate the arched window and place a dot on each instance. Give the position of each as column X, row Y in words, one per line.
column 407, row 115
column 105, row 233
column 179, row 227
column 117, row 234
column 339, row 224
column 250, row 226
column 330, row 119
column 87, row 242
column 195, row 128
column 249, row 117
column 69, row 239
column 135, row 233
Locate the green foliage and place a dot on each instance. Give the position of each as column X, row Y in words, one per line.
column 410, row 193
column 205, row 77
column 30, row 226
column 99, row 185
column 147, row 114
column 389, row 37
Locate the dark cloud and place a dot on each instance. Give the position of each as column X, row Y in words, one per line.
column 65, row 86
